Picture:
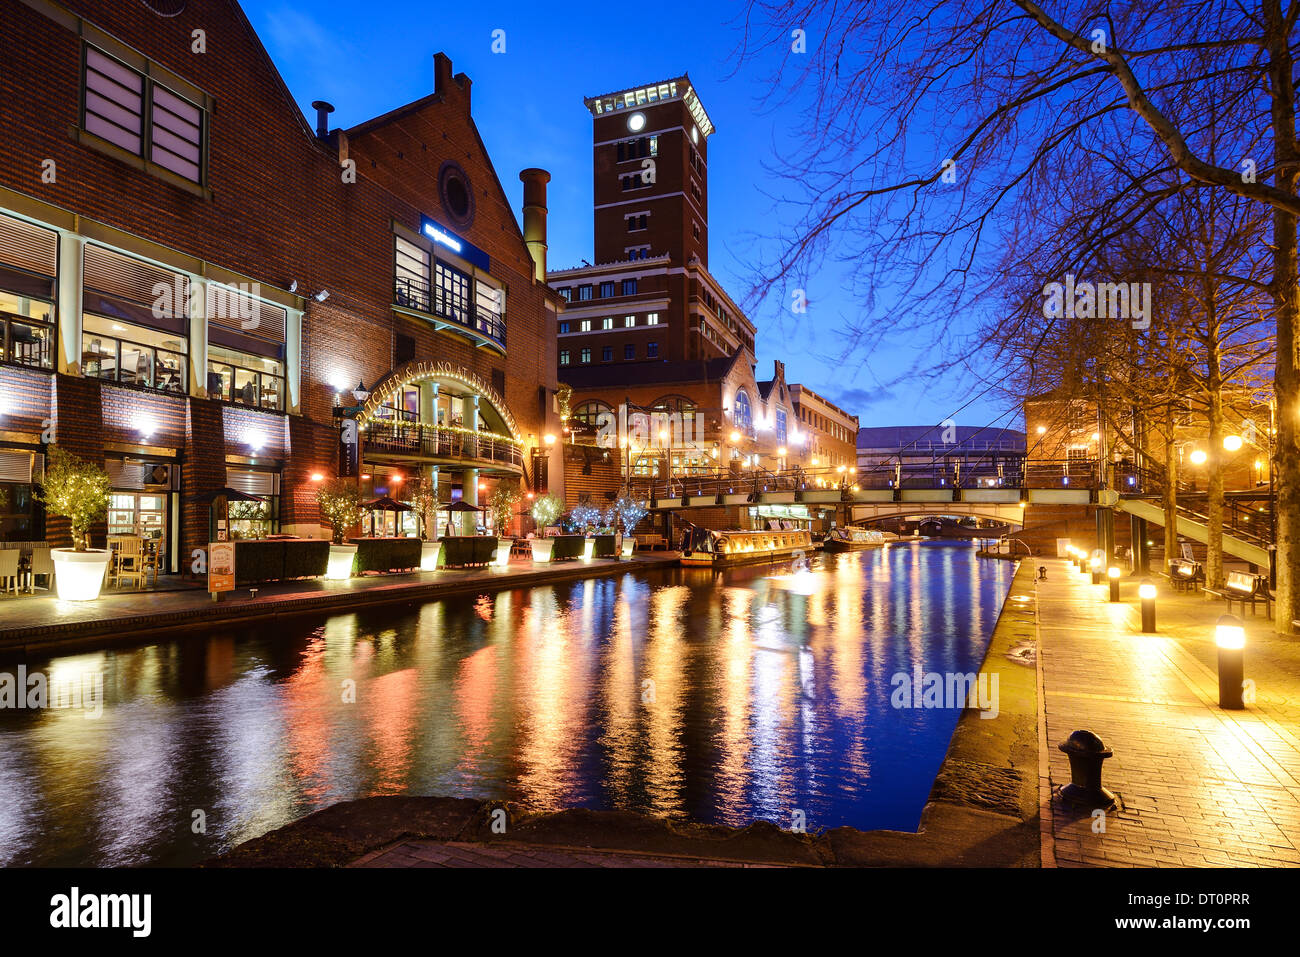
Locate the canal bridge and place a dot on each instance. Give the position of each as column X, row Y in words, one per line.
column 1019, row 494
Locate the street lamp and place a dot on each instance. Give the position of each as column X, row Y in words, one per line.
column 1113, row 574
column 1232, row 442
column 1230, row 637
column 1199, row 457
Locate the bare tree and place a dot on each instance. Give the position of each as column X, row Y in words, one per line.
column 926, row 123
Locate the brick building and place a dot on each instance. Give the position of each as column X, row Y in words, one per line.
column 648, row 331
column 194, row 282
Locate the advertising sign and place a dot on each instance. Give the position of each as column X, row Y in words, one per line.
column 221, row 567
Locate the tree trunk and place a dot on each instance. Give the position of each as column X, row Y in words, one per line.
column 1214, row 491
column 1170, row 497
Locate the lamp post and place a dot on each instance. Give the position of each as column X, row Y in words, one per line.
column 1112, row 573
column 1147, row 592
column 1230, row 636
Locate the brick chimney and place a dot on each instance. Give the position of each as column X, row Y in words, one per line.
column 535, row 181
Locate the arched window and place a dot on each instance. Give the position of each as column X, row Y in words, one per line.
column 679, row 404
column 741, row 417
column 588, row 412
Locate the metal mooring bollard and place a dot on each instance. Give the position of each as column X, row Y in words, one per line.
column 1086, row 753
column 1042, row 573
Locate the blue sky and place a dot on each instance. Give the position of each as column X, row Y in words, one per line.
column 368, row 59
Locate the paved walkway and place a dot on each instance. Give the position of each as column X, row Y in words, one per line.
column 460, row 854
column 30, row 622
column 1200, row 786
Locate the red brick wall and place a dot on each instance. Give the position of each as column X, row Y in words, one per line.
column 278, row 212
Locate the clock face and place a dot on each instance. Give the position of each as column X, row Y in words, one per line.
column 636, row 122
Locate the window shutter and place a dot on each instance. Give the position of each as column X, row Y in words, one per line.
column 29, row 247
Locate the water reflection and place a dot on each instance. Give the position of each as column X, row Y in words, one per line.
column 681, row 693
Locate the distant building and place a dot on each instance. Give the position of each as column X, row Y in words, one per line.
column 647, row 330
column 962, row 454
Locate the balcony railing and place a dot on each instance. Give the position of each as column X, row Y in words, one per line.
column 435, row 442
column 412, row 293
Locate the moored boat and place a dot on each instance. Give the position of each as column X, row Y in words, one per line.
column 848, row 538
column 719, row 549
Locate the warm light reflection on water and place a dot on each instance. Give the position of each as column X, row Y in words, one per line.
column 687, row 694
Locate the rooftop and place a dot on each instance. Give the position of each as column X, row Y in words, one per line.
column 679, row 88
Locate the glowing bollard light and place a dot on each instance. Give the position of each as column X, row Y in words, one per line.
column 1230, row 636
column 1112, row 573
column 1095, row 565
column 1147, row 592
column 588, row 549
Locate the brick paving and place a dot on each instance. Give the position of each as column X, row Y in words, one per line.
column 1200, row 786
column 427, row 853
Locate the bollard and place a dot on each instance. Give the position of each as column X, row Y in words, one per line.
column 1112, row 573
column 1086, row 753
column 1095, row 565
column 1042, row 573
column 1147, row 592
column 1230, row 636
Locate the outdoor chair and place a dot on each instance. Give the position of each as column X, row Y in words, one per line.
column 129, row 561
column 42, row 566
column 9, row 569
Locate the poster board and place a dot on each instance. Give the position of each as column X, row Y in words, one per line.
column 221, row 567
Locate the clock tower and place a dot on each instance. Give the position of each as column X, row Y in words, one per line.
column 650, row 166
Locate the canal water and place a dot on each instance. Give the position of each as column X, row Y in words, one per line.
column 758, row 693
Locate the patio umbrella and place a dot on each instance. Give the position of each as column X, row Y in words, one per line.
column 384, row 504
column 231, row 494
column 460, row 505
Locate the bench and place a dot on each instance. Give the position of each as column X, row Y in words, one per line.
column 1242, row 587
column 1185, row 574
column 651, row 541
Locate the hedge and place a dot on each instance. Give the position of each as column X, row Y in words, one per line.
column 276, row 560
column 469, row 550
column 385, row 554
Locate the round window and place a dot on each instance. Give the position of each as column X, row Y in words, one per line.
column 456, row 194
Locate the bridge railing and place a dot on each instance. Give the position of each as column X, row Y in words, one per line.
column 1038, row 473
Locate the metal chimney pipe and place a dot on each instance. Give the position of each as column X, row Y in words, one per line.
column 323, row 111
column 535, row 181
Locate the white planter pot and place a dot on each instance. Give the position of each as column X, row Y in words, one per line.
column 588, row 549
column 78, row 576
column 430, row 556
column 542, row 549
column 503, row 553
column 341, row 559
column 629, row 543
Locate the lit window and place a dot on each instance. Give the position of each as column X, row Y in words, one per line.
column 607, row 322
column 629, row 322
column 564, row 357
column 652, row 319
column 586, row 355
column 585, row 325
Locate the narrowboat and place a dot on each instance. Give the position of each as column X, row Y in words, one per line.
column 848, row 538
column 702, row 547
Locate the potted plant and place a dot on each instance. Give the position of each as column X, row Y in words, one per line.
column 546, row 509
column 501, row 505
column 77, row 490
column 340, row 506
column 629, row 512
column 423, row 497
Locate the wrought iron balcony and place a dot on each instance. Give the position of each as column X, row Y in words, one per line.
column 415, row 294
column 437, row 442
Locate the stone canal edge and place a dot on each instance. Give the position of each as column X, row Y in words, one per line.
column 983, row 809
